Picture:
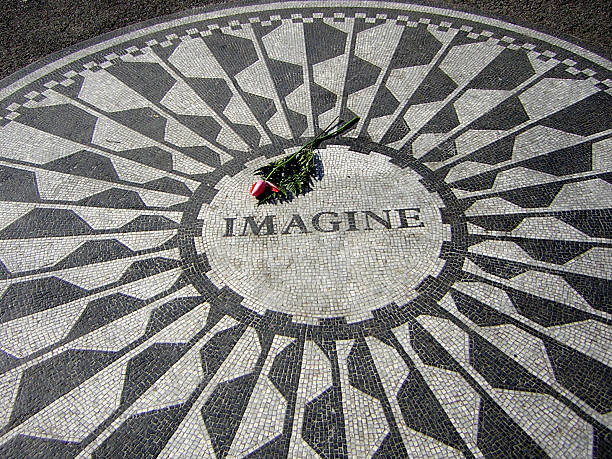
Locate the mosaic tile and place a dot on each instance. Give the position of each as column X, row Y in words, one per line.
column 443, row 289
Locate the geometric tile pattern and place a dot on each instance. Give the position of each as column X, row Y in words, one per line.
column 443, row 291
column 403, row 224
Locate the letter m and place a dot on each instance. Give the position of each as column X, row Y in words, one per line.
column 268, row 223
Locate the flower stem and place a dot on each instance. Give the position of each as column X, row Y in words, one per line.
column 324, row 135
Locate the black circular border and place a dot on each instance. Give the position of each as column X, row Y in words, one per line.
column 392, row 315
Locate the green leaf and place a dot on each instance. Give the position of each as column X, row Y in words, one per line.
column 293, row 173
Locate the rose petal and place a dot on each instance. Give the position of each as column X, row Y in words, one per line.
column 273, row 187
column 258, row 188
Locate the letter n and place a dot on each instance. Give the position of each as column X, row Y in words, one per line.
column 386, row 223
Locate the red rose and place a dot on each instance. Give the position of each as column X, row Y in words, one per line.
column 273, row 187
column 260, row 187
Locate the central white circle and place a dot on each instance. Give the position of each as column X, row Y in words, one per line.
column 366, row 235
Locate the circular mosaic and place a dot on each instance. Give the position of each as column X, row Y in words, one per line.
column 444, row 288
column 368, row 234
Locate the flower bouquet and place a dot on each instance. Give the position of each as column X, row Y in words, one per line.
column 293, row 173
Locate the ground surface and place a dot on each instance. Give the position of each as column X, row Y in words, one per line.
column 443, row 290
column 31, row 29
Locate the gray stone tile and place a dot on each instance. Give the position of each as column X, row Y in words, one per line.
column 441, row 289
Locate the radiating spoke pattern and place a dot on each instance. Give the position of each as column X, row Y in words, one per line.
column 444, row 289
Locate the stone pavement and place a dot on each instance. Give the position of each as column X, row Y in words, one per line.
column 443, row 290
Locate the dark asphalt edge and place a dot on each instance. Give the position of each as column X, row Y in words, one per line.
column 49, row 58
column 594, row 48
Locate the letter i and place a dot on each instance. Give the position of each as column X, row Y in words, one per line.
column 350, row 218
column 229, row 227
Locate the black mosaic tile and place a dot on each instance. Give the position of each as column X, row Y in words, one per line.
column 24, row 298
column 87, row 164
column 499, row 369
column 591, row 385
column 103, row 311
column 37, row 447
column 95, row 252
column 324, row 430
column 148, row 79
column 51, row 379
column 115, row 197
column 587, row 117
column 143, row 120
column 155, row 426
column 506, row 115
column 77, row 125
column 412, row 397
column 499, row 435
column 442, row 288
column 18, row 184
